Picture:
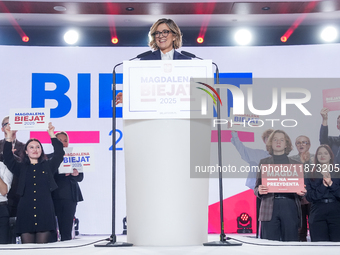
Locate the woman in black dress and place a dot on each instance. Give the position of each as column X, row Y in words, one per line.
column 35, row 216
column 323, row 191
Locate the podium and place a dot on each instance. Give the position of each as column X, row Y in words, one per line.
column 166, row 206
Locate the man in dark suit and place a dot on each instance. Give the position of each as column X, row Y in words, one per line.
column 164, row 37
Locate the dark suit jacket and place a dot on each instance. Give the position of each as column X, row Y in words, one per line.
column 18, row 146
column 332, row 141
column 156, row 55
column 267, row 201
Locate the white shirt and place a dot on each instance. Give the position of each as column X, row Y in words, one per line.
column 7, row 177
column 168, row 56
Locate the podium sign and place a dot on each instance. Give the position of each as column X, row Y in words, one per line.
column 156, row 89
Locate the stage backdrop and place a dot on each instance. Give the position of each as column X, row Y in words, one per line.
column 76, row 83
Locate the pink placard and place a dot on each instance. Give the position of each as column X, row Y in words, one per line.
column 283, row 178
column 331, row 99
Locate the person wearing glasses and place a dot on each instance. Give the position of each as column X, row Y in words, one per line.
column 18, row 149
column 303, row 144
column 164, row 38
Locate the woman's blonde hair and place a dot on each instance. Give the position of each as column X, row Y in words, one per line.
column 174, row 29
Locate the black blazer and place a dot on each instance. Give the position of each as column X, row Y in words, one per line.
column 156, row 55
column 20, row 169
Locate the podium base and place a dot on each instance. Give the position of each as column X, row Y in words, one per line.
column 222, row 243
column 114, row 244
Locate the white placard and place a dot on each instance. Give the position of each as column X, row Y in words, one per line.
column 244, row 122
column 29, row 118
column 79, row 158
column 161, row 89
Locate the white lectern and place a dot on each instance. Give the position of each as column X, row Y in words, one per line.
column 162, row 142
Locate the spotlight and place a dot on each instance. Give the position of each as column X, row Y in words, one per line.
column 200, row 39
column 71, row 37
column 283, row 39
column 114, row 40
column 244, row 223
column 329, row 34
column 25, row 38
column 243, row 37
column 129, row 9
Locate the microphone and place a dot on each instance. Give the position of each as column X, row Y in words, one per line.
column 190, row 55
column 142, row 55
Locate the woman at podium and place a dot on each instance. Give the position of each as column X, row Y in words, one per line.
column 164, row 38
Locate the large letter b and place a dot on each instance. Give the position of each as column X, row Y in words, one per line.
column 40, row 94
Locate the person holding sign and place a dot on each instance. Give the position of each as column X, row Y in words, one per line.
column 35, row 216
column 164, row 37
column 323, row 191
column 280, row 213
column 67, row 195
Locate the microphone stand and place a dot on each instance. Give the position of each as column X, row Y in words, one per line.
column 113, row 239
column 223, row 239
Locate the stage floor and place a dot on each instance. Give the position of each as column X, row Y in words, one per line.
column 84, row 245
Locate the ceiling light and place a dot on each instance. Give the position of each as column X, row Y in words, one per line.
column 329, row 34
column 129, row 9
column 243, row 37
column 71, row 37
column 59, row 8
column 266, row 8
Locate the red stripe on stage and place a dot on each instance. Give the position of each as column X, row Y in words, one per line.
column 226, row 136
column 75, row 136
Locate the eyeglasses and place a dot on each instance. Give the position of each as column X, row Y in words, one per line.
column 302, row 143
column 164, row 33
column 5, row 124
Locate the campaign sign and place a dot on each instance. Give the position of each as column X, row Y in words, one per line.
column 244, row 122
column 79, row 158
column 156, row 89
column 283, row 178
column 29, row 119
column 331, row 99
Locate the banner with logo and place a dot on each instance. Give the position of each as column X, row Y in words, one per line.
column 30, row 118
column 78, row 158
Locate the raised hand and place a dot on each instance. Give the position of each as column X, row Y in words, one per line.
column 50, row 130
column 324, row 114
column 8, row 133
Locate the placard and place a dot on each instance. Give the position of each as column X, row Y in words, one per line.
column 331, row 99
column 245, row 122
column 283, row 178
column 29, row 118
column 162, row 89
column 79, row 158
